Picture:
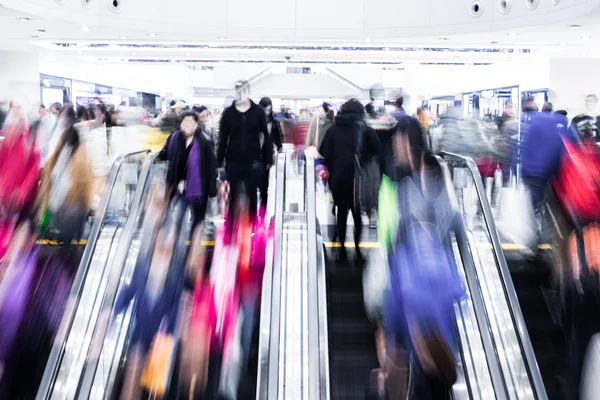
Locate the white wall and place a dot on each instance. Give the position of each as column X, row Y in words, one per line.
column 302, row 86
column 571, row 80
column 20, row 78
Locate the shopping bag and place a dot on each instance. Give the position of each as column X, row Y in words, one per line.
column 516, row 219
column 159, row 365
column 590, row 384
column 376, row 280
column 15, row 302
column 387, row 212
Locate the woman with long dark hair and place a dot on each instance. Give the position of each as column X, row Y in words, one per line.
column 274, row 128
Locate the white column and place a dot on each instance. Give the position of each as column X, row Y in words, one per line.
column 571, row 80
column 20, row 79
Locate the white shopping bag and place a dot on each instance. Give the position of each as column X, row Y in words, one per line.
column 516, row 221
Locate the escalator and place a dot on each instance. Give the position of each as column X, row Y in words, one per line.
column 522, row 283
column 104, row 347
column 120, row 201
column 495, row 359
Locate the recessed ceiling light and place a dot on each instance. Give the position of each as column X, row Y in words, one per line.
column 512, row 34
column 368, row 40
column 152, row 34
column 123, row 37
column 585, row 38
column 574, row 26
column 221, row 62
column 85, row 28
column 35, row 36
column 24, row 19
column 443, row 38
column 563, row 43
column 188, row 54
column 494, row 42
column 41, row 30
column 386, row 49
column 222, row 38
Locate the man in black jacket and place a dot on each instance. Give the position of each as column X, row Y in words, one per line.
column 247, row 158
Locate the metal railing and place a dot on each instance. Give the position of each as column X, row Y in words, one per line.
column 506, row 280
column 318, row 366
column 58, row 349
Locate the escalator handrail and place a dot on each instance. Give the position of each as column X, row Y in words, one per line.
column 317, row 375
column 76, row 290
column 509, row 288
column 477, row 299
column 268, row 357
column 118, row 265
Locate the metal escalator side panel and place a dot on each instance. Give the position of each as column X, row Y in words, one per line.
column 58, row 348
column 271, row 295
column 318, row 346
column 473, row 286
column 473, row 363
column 514, row 346
column 123, row 250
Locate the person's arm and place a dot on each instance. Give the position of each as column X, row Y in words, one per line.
column 211, row 166
column 164, row 153
column 277, row 135
column 374, row 143
column 267, row 148
column 223, row 140
column 326, row 148
column 312, row 130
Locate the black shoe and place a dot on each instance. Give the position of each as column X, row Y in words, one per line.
column 343, row 254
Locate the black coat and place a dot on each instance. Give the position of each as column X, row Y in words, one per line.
column 240, row 136
column 340, row 145
column 176, row 155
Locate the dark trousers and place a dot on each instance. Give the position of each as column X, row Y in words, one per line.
column 343, row 197
column 252, row 177
column 199, row 213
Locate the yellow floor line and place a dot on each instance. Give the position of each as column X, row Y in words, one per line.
column 375, row 245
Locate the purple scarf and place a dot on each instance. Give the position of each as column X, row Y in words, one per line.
column 193, row 192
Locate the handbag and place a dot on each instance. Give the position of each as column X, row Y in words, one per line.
column 159, row 364
column 366, row 177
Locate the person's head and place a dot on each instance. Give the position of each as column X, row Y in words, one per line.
column 353, row 107
column 189, row 123
column 203, row 114
column 283, row 108
column 267, row 105
column 547, row 107
column 328, row 110
column 55, row 108
column 179, row 107
column 372, row 102
column 562, row 112
column 399, row 102
column 43, row 111
column 529, row 104
column 422, row 117
column 70, row 135
column 591, row 103
column 508, row 110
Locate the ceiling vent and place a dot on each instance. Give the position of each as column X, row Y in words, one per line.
column 476, row 8
column 505, row 6
column 86, row 3
column 532, row 4
column 115, row 5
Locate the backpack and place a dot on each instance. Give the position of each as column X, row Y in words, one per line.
column 577, row 184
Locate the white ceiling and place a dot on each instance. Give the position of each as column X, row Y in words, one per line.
column 387, row 23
